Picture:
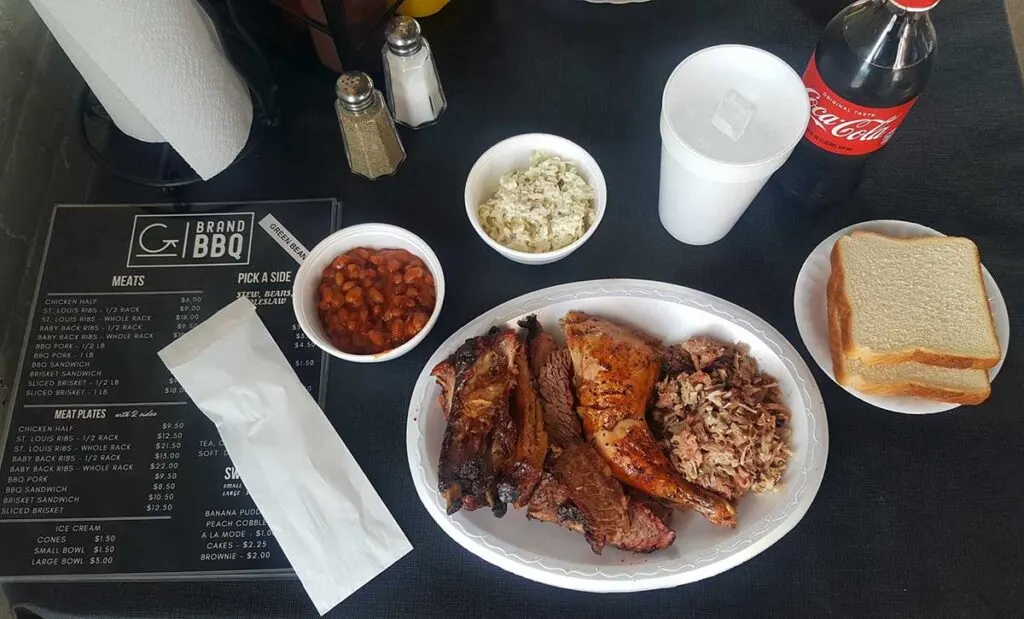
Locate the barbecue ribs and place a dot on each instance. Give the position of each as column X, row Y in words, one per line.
column 481, row 436
column 523, row 470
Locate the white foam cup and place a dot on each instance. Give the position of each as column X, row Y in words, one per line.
column 731, row 116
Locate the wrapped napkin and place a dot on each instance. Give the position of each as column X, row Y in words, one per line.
column 327, row 518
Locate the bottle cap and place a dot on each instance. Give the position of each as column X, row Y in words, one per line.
column 354, row 90
column 403, row 36
column 915, row 6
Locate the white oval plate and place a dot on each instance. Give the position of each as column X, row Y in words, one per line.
column 549, row 554
column 809, row 305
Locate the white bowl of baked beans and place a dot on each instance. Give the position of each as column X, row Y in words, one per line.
column 368, row 293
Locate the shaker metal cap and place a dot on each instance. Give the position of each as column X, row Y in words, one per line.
column 354, row 90
column 403, row 36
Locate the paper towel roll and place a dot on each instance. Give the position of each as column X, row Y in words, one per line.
column 160, row 72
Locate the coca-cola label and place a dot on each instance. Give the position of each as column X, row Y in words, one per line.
column 842, row 127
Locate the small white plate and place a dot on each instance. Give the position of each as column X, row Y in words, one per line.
column 809, row 305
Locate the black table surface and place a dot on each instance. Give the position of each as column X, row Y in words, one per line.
column 916, row 516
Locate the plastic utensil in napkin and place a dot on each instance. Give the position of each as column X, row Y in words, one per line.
column 327, row 518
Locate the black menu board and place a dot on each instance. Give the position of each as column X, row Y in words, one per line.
column 108, row 470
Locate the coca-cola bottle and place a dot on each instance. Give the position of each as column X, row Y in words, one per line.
column 870, row 65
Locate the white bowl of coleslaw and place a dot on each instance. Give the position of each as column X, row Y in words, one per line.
column 519, row 153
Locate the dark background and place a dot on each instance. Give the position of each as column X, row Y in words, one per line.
column 917, row 516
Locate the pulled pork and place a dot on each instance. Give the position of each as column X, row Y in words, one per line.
column 722, row 423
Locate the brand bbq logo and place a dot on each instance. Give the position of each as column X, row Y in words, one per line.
column 216, row 239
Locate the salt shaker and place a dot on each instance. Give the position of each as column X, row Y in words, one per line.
column 414, row 90
column 371, row 141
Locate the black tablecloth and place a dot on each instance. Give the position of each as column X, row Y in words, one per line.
column 917, row 516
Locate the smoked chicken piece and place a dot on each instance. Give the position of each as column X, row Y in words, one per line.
column 615, row 371
column 646, row 531
column 636, row 459
column 480, row 438
column 552, row 367
column 524, row 469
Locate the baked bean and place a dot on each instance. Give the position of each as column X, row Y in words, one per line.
column 376, row 338
column 417, row 321
column 412, row 275
column 372, row 300
column 354, row 296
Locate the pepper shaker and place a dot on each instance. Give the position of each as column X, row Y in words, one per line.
column 414, row 89
column 371, row 141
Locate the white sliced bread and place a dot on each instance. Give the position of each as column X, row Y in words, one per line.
column 919, row 299
column 909, row 378
column 918, row 380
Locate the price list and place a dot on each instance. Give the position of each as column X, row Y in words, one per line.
column 107, row 467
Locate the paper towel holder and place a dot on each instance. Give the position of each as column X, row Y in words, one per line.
column 169, row 170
